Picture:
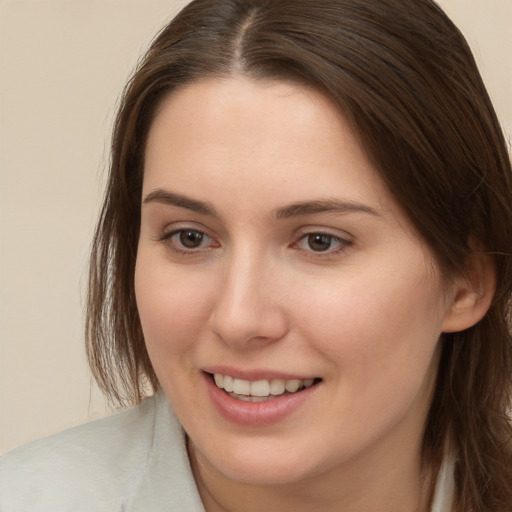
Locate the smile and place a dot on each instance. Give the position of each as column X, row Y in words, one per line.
column 260, row 390
column 258, row 402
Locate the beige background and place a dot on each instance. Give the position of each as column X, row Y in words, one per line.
column 62, row 66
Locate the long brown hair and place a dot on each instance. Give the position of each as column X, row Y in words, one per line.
column 403, row 75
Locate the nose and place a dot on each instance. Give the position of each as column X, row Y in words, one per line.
column 249, row 308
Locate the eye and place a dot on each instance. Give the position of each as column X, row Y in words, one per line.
column 190, row 238
column 187, row 240
column 321, row 243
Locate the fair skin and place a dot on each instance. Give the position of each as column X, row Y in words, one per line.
column 271, row 250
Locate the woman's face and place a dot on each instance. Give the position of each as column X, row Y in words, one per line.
column 271, row 257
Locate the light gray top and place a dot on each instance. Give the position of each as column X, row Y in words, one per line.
column 133, row 461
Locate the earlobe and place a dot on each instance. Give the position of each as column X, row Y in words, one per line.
column 472, row 294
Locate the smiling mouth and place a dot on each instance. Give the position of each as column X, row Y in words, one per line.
column 261, row 390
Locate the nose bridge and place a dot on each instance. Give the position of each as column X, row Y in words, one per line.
column 245, row 307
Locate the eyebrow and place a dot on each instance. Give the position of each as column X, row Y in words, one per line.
column 181, row 201
column 324, row 206
column 293, row 210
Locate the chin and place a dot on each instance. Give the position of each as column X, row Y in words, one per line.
column 260, row 464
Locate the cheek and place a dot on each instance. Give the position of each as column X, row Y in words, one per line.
column 173, row 305
column 380, row 349
column 374, row 327
column 173, row 310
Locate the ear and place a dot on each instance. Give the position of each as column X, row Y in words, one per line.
column 472, row 293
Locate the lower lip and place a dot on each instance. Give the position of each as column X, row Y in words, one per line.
column 256, row 414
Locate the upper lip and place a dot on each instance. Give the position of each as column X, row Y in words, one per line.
column 255, row 373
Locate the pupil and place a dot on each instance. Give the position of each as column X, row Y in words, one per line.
column 319, row 242
column 191, row 239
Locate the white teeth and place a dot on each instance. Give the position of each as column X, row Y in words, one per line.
column 228, row 383
column 260, row 388
column 308, row 383
column 256, row 391
column 277, row 387
column 241, row 387
column 292, row 385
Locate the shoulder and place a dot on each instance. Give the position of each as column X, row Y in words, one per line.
column 85, row 462
column 98, row 466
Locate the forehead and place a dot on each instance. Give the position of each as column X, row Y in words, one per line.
column 260, row 106
column 245, row 129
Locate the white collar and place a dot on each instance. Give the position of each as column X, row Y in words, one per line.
column 445, row 486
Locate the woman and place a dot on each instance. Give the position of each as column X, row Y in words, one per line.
column 304, row 249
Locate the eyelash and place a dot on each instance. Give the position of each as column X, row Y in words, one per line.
column 179, row 248
column 343, row 244
column 167, row 238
